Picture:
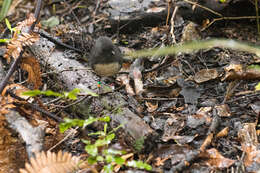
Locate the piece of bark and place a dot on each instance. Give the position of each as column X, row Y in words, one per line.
column 134, row 128
column 32, row 136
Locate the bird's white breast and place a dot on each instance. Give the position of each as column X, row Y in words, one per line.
column 107, row 69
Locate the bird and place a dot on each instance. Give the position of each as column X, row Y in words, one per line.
column 105, row 57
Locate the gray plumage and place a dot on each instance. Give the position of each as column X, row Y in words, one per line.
column 105, row 58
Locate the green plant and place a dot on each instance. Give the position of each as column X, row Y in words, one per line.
column 12, row 30
column 197, row 45
column 99, row 151
column 4, row 10
column 51, row 22
column 70, row 95
column 9, row 26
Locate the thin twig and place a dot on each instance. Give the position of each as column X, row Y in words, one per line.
column 203, row 7
column 60, row 43
column 257, row 17
column 74, row 103
column 172, row 24
column 37, row 13
column 72, row 12
column 229, row 18
column 169, row 11
column 10, row 72
column 72, row 132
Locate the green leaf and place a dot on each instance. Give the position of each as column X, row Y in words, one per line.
column 87, row 142
column 98, row 133
column 257, row 87
column 100, row 158
column 101, row 142
column 92, row 160
column 4, row 40
column 51, row 93
column 88, row 121
column 109, row 158
column 5, row 8
column 107, row 140
column 92, row 150
column 51, row 22
column 115, row 129
column 105, row 119
column 108, row 168
column 72, row 94
column 32, row 93
column 63, row 127
column 82, row 6
column 8, row 24
column 116, row 159
column 105, row 128
column 119, row 160
column 139, row 164
column 110, row 137
column 256, row 67
column 91, row 93
column 68, row 123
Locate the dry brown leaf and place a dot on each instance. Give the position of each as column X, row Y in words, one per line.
column 15, row 46
column 231, row 89
column 206, row 142
column 151, row 107
column 190, row 33
column 238, row 71
column 159, row 161
column 137, row 75
column 7, row 101
column 215, row 159
column 27, row 22
column 125, row 79
column 32, row 66
column 249, row 142
column 205, row 75
column 223, row 132
column 21, row 38
column 223, row 110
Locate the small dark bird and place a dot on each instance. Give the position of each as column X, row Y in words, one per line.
column 105, row 58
